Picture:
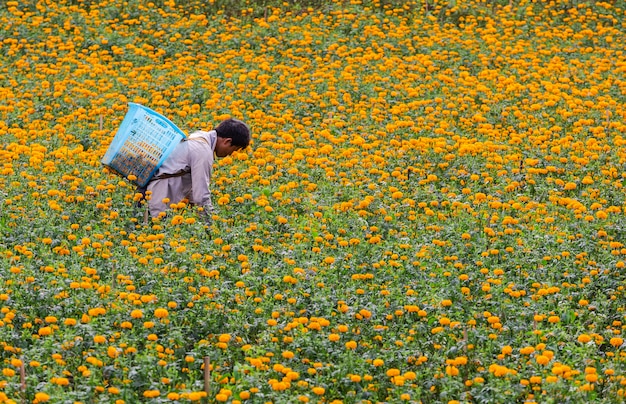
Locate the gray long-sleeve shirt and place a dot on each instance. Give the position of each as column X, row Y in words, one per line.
column 193, row 156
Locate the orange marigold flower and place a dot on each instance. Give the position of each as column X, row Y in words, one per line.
column 43, row 331
column 393, row 372
column 542, row 359
column 319, row 390
column 151, row 393
column 41, row 397
column 99, row 339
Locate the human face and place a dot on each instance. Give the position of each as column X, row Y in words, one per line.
column 224, row 147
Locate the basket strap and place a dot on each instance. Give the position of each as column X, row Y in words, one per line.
column 164, row 176
column 181, row 173
column 197, row 139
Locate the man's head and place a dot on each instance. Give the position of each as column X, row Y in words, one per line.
column 232, row 135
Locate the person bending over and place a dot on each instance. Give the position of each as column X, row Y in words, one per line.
column 186, row 173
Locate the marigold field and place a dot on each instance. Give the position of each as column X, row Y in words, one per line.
column 432, row 209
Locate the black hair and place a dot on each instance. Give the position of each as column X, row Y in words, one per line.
column 236, row 130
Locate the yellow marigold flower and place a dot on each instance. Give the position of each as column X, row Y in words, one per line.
column 398, row 380
column 452, row 370
column 151, row 393
column 291, row 375
column 319, row 390
column 177, row 219
column 43, row 331
column 498, row 370
column 393, row 372
column 587, row 180
column 527, row 350
column 41, row 397
column 113, row 352
column 554, row 319
column 436, row 330
column 197, row 395
column 161, row 313
column 587, row 387
column 99, row 339
column 570, row 186
column 279, row 386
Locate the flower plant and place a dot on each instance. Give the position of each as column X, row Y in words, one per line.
column 432, row 209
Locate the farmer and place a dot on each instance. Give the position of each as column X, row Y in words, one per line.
column 186, row 173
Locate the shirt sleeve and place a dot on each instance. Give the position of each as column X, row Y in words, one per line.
column 201, row 165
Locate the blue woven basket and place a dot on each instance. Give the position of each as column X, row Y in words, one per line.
column 142, row 143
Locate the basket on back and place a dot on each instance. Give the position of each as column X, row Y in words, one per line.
column 142, row 143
